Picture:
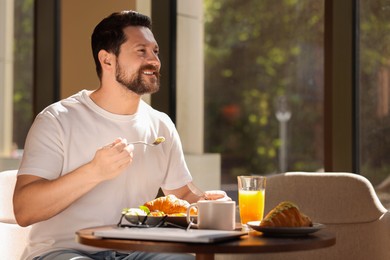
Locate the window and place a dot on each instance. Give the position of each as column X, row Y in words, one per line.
column 264, row 85
column 374, row 101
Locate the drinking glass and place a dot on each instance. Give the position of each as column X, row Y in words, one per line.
column 251, row 198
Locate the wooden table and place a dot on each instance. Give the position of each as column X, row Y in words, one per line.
column 252, row 243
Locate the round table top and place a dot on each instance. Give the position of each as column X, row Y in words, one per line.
column 254, row 242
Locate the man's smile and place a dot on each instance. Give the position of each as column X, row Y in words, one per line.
column 148, row 72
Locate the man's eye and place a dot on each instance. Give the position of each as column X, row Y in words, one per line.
column 142, row 50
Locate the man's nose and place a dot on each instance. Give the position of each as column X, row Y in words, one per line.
column 154, row 59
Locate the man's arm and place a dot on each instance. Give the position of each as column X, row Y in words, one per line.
column 37, row 199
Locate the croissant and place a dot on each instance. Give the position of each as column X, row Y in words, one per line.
column 170, row 204
column 286, row 214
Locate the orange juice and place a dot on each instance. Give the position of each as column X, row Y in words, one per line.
column 251, row 205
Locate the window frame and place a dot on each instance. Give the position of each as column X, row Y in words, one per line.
column 341, row 87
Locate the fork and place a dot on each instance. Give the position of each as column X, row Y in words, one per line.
column 158, row 141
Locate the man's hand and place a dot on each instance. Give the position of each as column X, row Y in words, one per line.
column 192, row 194
column 219, row 195
column 112, row 159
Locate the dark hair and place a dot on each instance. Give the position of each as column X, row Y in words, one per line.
column 108, row 34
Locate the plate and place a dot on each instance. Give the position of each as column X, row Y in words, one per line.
column 153, row 220
column 285, row 231
column 180, row 220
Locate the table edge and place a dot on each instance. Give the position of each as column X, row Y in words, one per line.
column 86, row 237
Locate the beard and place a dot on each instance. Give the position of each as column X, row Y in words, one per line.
column 139, row 83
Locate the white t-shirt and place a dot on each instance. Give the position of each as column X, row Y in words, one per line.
column 67, row 134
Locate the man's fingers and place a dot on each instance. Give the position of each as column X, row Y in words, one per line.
column 129, row 148
column 217, row 195
column 119, row 144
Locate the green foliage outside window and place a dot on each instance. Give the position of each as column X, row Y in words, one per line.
column 257, row 51
column 23, row 69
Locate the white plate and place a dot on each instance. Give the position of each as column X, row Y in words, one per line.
column 285, row 231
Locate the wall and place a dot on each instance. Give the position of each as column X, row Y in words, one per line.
column 6, row 76
column 78, row 19
column 205, row 168
column 190, row 75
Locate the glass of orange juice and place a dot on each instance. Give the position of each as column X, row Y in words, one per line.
column 251, row 198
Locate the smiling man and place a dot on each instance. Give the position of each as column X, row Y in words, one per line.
column 78, row 170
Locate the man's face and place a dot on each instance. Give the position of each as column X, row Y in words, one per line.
column 138, row 65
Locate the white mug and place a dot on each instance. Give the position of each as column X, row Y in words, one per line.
column 214, row 215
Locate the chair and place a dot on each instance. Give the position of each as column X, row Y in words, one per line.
column 12, row 237
column 346, row 203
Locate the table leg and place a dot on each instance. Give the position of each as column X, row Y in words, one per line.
column 204, row 256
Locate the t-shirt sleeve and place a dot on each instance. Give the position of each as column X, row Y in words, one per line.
column 43, row 152
column 177, row 174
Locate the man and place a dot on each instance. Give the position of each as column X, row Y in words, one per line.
column 78, row 169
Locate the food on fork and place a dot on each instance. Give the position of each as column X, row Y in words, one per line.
column 169, row 204
column 286, row 214
column 159, row 140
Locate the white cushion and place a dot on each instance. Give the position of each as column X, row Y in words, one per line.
column 13, row 238
column 7, row 185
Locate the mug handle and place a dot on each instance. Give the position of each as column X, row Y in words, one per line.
column 188, row 217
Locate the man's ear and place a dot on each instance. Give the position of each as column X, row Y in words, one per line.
column 105, row 58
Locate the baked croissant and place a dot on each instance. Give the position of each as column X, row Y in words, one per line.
column 170, row 204
column 286, row 214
